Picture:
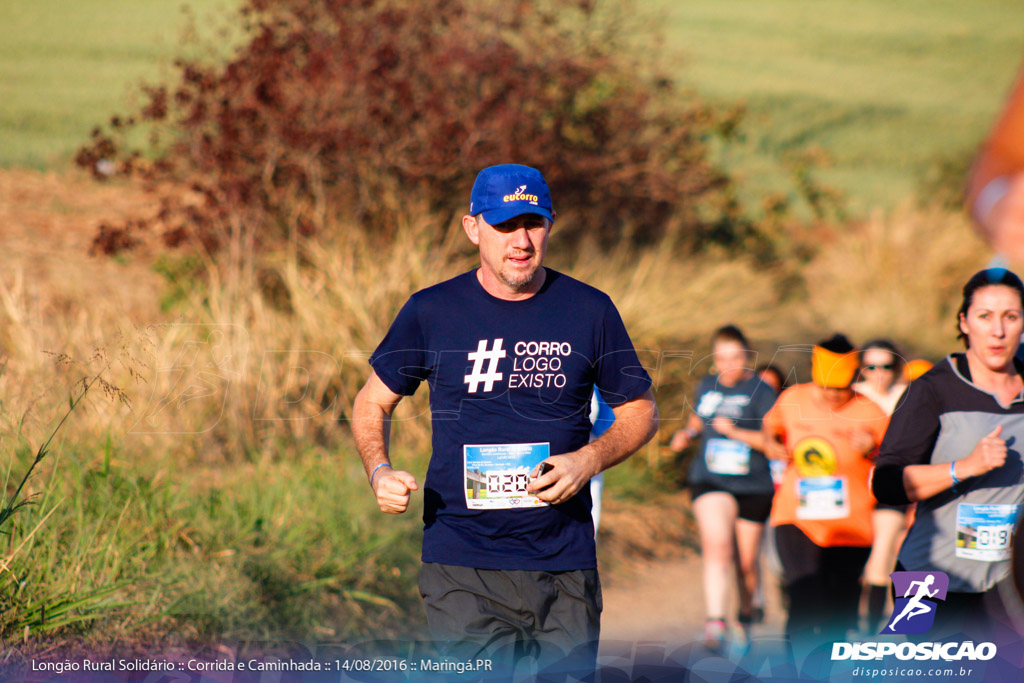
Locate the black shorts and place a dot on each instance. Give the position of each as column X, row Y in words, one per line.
column 897, row 508
column 754, row 507
column 504, row 616
column 822, row 583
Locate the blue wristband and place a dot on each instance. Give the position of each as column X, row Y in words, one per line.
column 952, row 473
column 374, row 473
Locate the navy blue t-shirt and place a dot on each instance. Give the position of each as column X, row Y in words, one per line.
column 508, row 372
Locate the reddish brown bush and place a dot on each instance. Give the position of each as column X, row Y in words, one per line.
column 342, row 108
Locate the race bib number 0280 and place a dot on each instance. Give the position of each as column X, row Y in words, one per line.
column 497, row 475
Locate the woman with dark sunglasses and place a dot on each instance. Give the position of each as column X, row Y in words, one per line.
column 881, row 371
column 881, row 374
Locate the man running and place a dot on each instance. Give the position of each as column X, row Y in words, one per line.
column 511, row 351
column 914, row 607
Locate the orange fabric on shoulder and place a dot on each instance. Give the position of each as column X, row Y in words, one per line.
column 915, row 368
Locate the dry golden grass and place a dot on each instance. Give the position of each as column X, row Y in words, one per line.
column 671, row 302
column 283, row 342
column 313, row 335
column 47, row 221
column 55, row 297
column 897, row 276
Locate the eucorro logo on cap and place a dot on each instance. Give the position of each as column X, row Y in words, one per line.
column 520, row 196
column 503, row 192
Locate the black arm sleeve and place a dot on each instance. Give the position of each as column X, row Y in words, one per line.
column 909, row 440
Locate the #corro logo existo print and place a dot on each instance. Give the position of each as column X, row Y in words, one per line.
column 917, row 598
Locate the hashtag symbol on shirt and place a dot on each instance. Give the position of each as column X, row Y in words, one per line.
column 477, row 375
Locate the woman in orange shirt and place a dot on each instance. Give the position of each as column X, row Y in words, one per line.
column 828, row 435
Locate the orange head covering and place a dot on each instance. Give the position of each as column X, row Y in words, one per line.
column 915, row 369
column 830, row 369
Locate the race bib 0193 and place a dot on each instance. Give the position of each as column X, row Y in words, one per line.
column 983, row 532
column 497, row 474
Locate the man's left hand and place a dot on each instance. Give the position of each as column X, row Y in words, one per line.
column 568, row 474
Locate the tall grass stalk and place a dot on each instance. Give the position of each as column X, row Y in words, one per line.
column 14, row 502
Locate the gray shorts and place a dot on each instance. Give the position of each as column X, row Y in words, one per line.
column 511, row 615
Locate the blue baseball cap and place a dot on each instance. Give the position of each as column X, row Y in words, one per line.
column 509, row 190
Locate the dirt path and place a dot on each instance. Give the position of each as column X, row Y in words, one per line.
column 664, row 602
column 652, row 576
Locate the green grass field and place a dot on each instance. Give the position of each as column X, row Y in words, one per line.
column 114, row 546
column 885, row 89
column 67, row 66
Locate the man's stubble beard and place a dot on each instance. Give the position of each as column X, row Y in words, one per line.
column 518, row 284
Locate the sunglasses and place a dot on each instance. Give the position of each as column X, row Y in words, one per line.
column 887, row 366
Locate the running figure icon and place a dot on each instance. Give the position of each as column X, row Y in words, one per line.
column 914, row 606
column 917, row 595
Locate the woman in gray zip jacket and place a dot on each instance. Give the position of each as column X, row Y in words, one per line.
column 954, row 447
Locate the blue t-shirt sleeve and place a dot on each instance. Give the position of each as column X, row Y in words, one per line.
column 401, row 360
column 618, row 373
column 601, row 418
